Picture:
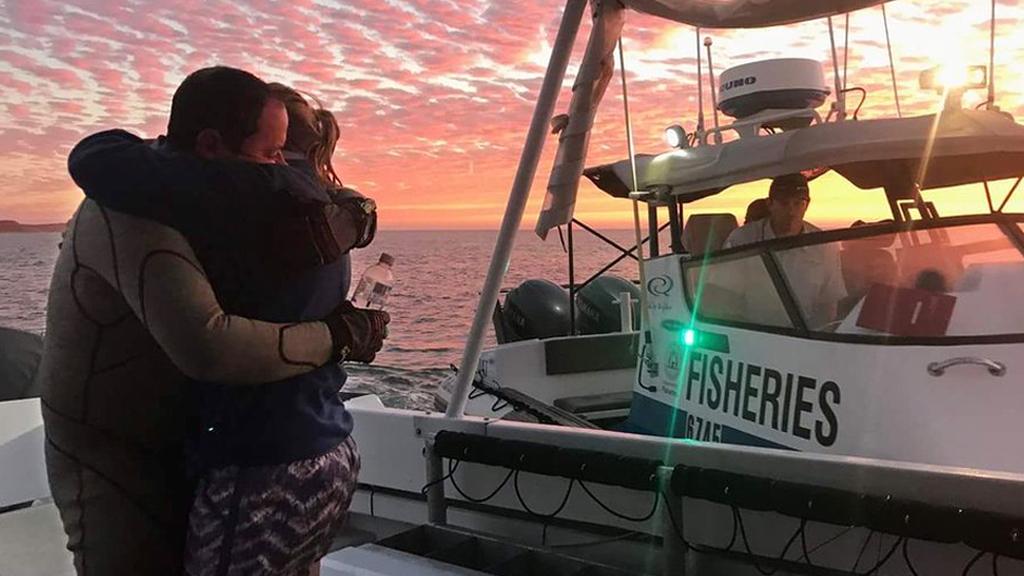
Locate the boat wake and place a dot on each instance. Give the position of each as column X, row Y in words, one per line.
column 397, row 387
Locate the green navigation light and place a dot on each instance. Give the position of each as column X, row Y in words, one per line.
column 689, row 337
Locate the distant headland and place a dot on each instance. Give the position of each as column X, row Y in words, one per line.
column 14, row 226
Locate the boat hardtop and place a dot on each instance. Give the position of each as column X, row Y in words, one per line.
column 960, row 147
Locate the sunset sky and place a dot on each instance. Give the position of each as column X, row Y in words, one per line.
column 434, row 96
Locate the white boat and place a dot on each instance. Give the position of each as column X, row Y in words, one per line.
column 882, row 441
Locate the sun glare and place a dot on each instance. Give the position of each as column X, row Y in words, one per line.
column 949, row 52
column 952, row 75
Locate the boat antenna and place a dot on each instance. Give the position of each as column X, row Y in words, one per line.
column 714, row 96
column 700, row 92
column 846, row 53
column 645, row 313
column 892, row 65
column 992, row 61
column 840, row 101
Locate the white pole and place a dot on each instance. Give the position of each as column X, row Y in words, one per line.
column 846, row 49
column 644, row 312
column 700, row 94
column 892, row 63
column 528, row 161
column 992, row 61
column 840, row 95
column 625, row 312
column 714, row 95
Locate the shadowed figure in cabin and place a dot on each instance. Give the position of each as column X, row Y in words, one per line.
column 736, row 288
column 756, row 210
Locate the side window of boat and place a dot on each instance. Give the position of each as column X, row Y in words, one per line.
column 950, row 281
column 814, row 275
column 735, row 289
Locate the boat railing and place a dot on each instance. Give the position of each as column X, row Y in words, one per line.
column 933, row 515
column 752, row 125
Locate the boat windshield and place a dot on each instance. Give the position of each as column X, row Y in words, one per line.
column 937, row 279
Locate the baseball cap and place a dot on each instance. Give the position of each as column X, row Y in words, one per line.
column 789, row 185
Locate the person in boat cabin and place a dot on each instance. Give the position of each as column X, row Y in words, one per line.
column 813, row 272
column 143, row 366
column 756, row 210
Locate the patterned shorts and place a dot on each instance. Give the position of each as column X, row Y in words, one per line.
column 263, row 520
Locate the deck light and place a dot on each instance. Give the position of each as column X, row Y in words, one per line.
column 675, row 136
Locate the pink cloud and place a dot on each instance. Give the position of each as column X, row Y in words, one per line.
column 427, row 91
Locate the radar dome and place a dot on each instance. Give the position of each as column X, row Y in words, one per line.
column 782, row 83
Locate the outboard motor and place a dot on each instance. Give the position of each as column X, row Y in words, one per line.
column 597, row 305
column 534, row 309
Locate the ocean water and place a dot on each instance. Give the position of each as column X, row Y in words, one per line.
column 438, row 277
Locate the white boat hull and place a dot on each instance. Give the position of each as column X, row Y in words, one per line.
column 394, row 473
column 524, row 367
column 392, row 443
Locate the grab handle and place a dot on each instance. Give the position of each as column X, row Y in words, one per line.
column 994, row 368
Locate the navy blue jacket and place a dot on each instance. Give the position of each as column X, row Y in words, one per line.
column 245, row 222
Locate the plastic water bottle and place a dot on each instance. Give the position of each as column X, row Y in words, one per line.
column 375, row 284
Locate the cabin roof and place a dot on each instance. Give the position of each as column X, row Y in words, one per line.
column 968, row 146
column 746, row 13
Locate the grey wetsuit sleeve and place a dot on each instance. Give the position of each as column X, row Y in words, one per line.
column 158, row 275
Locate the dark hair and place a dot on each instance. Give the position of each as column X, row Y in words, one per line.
column 225, row 99
column 788, row 185
column 756, row 210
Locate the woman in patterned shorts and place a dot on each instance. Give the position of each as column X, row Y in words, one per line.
column 280, row 518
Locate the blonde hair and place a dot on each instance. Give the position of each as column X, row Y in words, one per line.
column 313, row 132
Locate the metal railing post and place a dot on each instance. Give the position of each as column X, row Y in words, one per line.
column 673, row 550
column 437, row 508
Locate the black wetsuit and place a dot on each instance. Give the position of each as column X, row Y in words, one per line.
column 132, row 317
column 256, row 249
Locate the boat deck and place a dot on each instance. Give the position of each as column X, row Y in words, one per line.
column 32, row 544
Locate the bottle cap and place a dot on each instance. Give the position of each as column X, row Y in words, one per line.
column 387, row 259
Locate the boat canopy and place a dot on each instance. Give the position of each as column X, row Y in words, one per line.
column 746, row 13
column 598, row 67
column 960, row 147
